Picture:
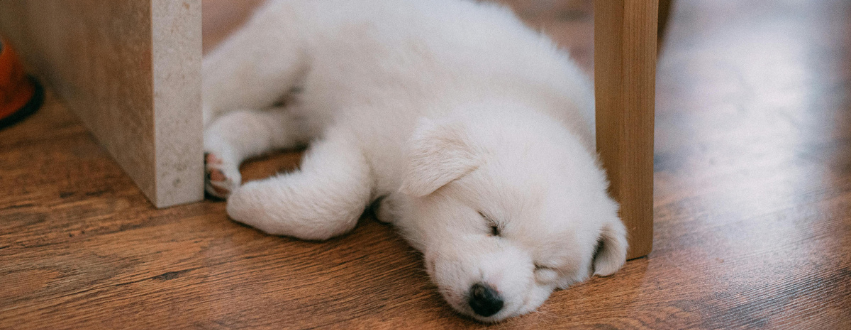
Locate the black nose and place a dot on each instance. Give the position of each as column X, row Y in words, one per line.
column 484, row 300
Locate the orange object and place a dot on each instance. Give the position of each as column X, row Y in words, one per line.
column 20, row 95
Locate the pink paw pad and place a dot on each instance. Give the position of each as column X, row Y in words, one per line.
column 216, row 181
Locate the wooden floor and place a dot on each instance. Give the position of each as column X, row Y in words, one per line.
column 752, row 204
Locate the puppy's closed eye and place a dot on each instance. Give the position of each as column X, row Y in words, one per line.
column 544, row 274
column 494, row 227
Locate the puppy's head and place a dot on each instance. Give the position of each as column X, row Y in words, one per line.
column 507, row 207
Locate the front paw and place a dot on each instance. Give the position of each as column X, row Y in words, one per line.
column 249, row 204
column 221, row 178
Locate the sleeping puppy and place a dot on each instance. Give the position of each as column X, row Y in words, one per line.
column 468, row 131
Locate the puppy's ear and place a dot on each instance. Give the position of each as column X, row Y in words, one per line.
column 610, row 254
column 438, row 153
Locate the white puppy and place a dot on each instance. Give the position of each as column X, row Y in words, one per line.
column 470, row 132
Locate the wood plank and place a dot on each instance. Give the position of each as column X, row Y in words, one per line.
column 625, row 73
column 131, row 71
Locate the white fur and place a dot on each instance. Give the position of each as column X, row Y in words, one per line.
column 451, row 113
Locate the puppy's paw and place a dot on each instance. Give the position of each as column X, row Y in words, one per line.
column 249, row 205
column 221, row 178
column 243, row 205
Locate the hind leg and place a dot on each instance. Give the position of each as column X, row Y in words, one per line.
column 239, row 135
column 254, row 68
column 325, row 198
column 257, row 65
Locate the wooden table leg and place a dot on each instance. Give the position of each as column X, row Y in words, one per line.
column 131, row 71
column 625, row 73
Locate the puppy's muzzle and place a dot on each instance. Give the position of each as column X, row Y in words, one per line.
column 484, row 300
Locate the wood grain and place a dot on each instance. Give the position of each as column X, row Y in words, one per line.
column 131, row 71
column 624, row 83
column 752, row 207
